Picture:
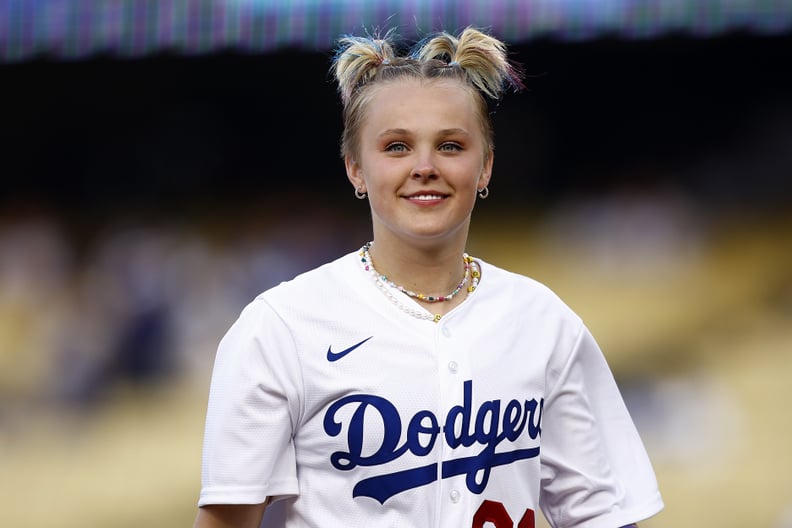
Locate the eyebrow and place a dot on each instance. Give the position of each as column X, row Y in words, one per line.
column 403, row 132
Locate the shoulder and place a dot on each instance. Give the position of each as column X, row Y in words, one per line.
column 504, row 277
column 275, row 317
column 530, row 312
column 520, row 292
column 306, row 286
column 308, row 298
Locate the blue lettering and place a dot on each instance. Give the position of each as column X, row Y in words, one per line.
column 491, row 408
column 391, row 423
column 534, row 426
column 417, row 428
column 463, row 412
column 512, row 424
column 490, row 427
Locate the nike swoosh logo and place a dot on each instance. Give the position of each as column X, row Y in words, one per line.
column 335, row 356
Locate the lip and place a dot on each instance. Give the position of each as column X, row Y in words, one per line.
column 426, row 197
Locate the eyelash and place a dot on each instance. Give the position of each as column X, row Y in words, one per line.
column 456, row 146
column 392, row 147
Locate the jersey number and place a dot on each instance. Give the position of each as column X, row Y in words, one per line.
column 495, row 513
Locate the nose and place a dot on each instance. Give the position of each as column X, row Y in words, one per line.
column 424, row 168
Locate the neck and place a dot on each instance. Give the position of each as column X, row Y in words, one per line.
column 431, row 270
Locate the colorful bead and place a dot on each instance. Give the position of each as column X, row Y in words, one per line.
column 466, row 260
column 472, row 272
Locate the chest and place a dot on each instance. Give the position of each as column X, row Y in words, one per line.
column 399, row 398
column 391, row 412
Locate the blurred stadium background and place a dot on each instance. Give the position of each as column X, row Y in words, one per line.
column 164, row 161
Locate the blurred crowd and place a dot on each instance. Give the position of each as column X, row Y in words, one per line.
column 137, row 302
column 142, row 301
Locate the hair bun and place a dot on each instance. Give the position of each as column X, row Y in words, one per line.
column 357, row 59
column 481, row 56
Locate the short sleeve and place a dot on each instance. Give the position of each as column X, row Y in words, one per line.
column 254, row 405
column 595, row 470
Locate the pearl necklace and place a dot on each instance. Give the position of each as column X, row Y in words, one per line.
column 420, row 296
column 386, row 286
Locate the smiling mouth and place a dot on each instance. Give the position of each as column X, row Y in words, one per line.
column 426, row 197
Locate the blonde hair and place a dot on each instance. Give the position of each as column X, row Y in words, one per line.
column 475, row 59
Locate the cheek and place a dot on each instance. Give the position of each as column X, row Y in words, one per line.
column 379, row 184
column 383, row 172
column 471, row 171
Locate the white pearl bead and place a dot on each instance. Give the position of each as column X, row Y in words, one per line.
column 387, row 289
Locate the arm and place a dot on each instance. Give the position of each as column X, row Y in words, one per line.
column 594, row 464
column 230, row 516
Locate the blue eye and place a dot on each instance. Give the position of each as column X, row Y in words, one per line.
column 450, row 147
column 396, row 147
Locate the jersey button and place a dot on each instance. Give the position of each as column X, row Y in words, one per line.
column 454, row 496
column 446, row 331
column 453, row 367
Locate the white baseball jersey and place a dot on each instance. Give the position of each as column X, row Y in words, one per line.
column 358, row 415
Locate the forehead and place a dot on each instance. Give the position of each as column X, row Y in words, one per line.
column 408, row 103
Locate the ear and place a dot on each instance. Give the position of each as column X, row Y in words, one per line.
column 354, row 173
column 486, row 171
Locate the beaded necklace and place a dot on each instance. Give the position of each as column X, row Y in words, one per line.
column 387, row 286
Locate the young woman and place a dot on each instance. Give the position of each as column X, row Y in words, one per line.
column 408, row 384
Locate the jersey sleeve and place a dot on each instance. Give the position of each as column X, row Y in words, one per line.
column 595, row 470
column 254, row 404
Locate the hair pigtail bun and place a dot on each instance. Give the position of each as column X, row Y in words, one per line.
column 356, row 61
column 482, row 57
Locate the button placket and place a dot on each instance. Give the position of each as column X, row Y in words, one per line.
column 454, row 496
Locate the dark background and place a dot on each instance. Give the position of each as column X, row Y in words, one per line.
column 87, row 138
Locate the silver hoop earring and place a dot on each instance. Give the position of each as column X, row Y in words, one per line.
column 483, row 193
column 360, row 195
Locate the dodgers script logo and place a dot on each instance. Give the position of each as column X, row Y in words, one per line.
column 491, row 426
